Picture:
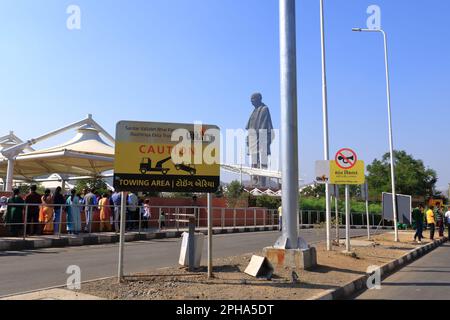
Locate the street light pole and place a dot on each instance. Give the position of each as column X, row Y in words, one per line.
column 326, row 149
column 391, row 140
column 289, row 129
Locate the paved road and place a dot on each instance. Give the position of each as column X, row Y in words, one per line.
column 22, row 271
column 425, row 279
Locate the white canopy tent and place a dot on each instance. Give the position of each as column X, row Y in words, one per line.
column 87, row 154
column 8, row 141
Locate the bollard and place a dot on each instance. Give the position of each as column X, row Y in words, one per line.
column 197, row 215
column 264, row 218
column 140, row 220
column 60, row 221
column 191, row 244
column 234, row 218
column 254, row 217
column 25, row 223
column 223, row 218
column 245, row 218
column 159, row 215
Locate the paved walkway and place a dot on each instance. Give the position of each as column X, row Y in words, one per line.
column 425, row 279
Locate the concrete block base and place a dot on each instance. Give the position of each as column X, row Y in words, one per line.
column 303, row 259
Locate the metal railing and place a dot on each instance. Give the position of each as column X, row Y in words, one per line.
column 88, row 217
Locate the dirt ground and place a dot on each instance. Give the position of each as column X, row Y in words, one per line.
column 231, row 283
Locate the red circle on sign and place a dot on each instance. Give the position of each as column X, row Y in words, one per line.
column 342, row 158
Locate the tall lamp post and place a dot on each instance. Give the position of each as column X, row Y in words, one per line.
column 289, row 134
column 391, row 143
column 326, row 149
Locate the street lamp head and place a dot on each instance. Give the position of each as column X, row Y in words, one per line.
column 357, row 29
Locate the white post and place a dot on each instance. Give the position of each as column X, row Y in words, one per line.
column 368, row 219
column 122, row 235
column 326, row 149
column 391, row 139
column 210, row 232
column 347, row 218
column 337, row 217
column 10, row 175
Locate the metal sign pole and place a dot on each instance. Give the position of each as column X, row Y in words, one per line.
column 337, row 219
column 336, row 202
column 122, row 235
column 366, row 190
column 191, row 245
column 210, row 231
column 347, row 218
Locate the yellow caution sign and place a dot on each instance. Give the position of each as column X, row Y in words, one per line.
column 166, row 157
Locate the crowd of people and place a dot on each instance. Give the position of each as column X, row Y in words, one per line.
column 44, row 212
column 433, row 218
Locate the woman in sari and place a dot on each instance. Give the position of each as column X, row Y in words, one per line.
column 105, row 214
column 73, row 213
column 14, row 213
column 47, row 212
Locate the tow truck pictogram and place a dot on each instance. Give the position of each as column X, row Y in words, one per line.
column 146, row 166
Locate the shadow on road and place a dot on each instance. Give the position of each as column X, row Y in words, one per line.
column 24, row 253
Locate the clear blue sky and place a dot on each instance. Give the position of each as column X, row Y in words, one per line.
column 181, row 61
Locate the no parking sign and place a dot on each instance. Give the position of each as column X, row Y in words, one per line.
column 346, row 168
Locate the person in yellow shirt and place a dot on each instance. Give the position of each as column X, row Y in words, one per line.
column 280, row 218
column 431, row 222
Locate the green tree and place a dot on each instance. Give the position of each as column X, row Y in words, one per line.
column 235, row 193
column 268, row 202
column 25, row 188
column 316, row 191
column 94, row 184
column 411, row 175
column 219, row 192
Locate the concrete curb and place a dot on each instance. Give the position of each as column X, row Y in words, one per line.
column 98, row 239
column 359, row 284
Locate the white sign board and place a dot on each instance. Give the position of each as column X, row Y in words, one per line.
column 322, row 171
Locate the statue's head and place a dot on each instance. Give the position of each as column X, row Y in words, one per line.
column 256, row 99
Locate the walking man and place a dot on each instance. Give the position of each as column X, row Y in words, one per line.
column 418, row 219
column 447, row 220
column 431, row 222
column 439, row 220
column 280, row 218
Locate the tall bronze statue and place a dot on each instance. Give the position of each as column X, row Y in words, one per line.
column 260, row 137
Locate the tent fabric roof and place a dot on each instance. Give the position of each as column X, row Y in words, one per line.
column 85, row 154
